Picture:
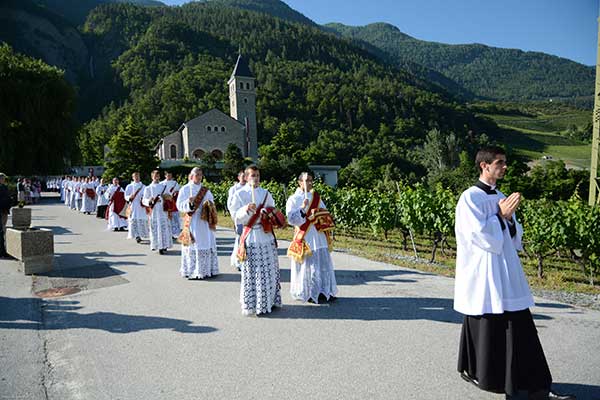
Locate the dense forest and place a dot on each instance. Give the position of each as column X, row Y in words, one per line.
column 487, row 72
column 320, row 98
column 36, row 116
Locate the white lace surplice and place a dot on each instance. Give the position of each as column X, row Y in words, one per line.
column 160, row 230
column 138, row 219
column 260, row 289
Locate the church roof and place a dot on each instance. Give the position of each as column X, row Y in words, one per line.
column 241, row 68
column 208, row 114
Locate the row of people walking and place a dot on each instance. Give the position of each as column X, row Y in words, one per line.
column 155, row 212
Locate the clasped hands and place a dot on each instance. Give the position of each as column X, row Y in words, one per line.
column 252, row 209
column 509, row 205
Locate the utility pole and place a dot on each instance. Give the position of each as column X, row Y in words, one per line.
column 594, row 179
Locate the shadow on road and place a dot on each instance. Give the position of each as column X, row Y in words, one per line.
column 59, row 230
column 16, row 313
column 377, row 309
column 343, row 277
column 583, row 392
column 374, row 309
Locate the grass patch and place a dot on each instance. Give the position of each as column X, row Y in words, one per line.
column 560, row 273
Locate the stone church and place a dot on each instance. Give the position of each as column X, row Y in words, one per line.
column 214, row 130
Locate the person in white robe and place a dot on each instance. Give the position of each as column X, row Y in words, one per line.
column 101, row 200
column 491, row 290
column 76, row 198
column 238, row 228
column 260, row 288
column 115, row 195
column 160, row 231
column 62, row 188
column 199, row 258
column 138, row 218
column 311, row 272
column 68, row 192
column 88, row 203
column 171, row 203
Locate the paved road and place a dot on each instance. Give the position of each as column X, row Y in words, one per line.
column 139, row 331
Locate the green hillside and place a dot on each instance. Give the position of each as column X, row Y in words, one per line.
column 538, row 131
column 276, row 8
column 488, row 72
column 320, row 98
column 76, row 11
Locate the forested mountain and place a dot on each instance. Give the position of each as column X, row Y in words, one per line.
column 488, row 72
column 41, row 33
column 76, row 11
column 320, row 98
column 276, row 8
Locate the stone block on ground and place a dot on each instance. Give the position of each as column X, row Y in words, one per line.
column 34, row 248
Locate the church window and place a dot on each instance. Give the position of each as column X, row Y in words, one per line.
column 241, row 85
column 208, row 128
column 247, row 86
column 222, row 129
column 198, row 153
column 216, row 129
column 173, row 151
column 217, row 154
column 245, row 100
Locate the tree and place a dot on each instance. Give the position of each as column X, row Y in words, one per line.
column 233, row 160
column 130, row 151
column 37, row 128
column 208, row 162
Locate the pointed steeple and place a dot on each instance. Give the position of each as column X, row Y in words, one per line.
column 241, row 68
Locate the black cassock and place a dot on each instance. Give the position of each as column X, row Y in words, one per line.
column 503, row 353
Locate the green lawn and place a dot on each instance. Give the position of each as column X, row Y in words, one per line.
column 534, row 137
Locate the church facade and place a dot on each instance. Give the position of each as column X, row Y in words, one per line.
column 214, row 130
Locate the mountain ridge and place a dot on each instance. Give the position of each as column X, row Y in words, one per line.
column 489, row 72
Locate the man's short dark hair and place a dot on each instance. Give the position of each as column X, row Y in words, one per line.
column 487, row 155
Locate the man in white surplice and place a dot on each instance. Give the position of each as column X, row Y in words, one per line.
column 260, row 289
column 199, row 257
column 88, row 204
column 67, row 186
column 75, row 194
column 160, row 230
column 138, row 219
column 116, row 202
column 311, row 275
column 173, row 215
column 101, row 201
column 238, row 228
column 499, row 349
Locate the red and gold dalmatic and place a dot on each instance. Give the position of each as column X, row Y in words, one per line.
column 323, row 223
column 312, row 275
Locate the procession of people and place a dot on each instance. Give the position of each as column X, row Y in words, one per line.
column 491, row 289
column 164, row 212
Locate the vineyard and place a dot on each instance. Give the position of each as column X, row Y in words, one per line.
column 558, row 233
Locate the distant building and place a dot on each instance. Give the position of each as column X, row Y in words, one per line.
column 327, row 173
column 214, row 130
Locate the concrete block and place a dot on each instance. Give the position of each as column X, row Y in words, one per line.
column 34, row 248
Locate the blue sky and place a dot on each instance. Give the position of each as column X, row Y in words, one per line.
column 566, row 28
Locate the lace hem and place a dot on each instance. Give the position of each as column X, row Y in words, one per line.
column 260, row 289
column 198, row 263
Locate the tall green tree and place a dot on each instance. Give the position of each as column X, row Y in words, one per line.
column 37, row 128
column 233, row 162
column 130, row 151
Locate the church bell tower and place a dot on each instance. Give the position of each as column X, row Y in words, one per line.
column 242, row 103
